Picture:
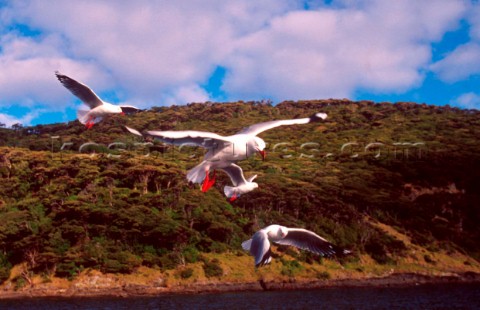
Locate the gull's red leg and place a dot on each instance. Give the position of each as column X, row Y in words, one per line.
column 234, row 197
column 90, row 122
column 207, row 183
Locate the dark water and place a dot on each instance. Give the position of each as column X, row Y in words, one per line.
column 451, row 296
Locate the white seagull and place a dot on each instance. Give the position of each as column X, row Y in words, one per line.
column 224, row 150
column 259, row 245
column 98, row 107
column 199, row 174
column 240, row 184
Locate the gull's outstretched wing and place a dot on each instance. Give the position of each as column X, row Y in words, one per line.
column 235, row 173
column 310, row 241
column 261, row 127
column 260, row 248
column 82, row 91
column 199, row 138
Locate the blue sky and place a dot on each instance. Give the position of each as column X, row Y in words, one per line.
column 155, row 53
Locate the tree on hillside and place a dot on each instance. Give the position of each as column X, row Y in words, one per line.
column 17, row 126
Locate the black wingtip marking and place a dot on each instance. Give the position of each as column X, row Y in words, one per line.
column 265, row 258
column 65, row 80
column 341, row 251
column 129, row 110
column 317, row 117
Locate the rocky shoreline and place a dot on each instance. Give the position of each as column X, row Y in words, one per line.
column 132, row 290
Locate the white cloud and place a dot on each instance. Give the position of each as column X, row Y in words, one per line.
column 187, row 94
column 27, row 69
column 380, row 46
column 462, row 63
column 474, row 20
column 468, row 101
column 149, row 47
column 161, row 52
column 9, row 120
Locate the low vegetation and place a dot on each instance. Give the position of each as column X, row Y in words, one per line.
column 102, row 199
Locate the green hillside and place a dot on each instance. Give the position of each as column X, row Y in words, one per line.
column 394, row 183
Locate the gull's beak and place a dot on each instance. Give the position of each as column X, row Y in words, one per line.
column 263, row 154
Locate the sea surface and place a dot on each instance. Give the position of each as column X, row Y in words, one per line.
column 438, row 296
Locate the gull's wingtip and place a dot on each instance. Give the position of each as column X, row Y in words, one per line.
column 346, row 252
column 134, row 131
column 250, row 179
column 322, row 115
column 317, row 117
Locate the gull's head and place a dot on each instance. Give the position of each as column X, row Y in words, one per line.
column 250, row 184
column 260, row 145
column 282, row 231
column 117, row 109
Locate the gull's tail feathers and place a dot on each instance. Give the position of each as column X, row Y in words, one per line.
column 198, row 173
column 82, row 116
column 229, row 191
column 85, row 117
column 247, row 244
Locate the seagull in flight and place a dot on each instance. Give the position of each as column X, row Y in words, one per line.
column 259, row 245
column 98, row 107
column 240, row 184
column 223, row 151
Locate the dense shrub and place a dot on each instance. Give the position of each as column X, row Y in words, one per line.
column 212, row 268
column 186, row 273
column 5, row 268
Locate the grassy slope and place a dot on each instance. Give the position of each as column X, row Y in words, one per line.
column 400, row 209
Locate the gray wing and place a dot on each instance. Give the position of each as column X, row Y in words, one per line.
column 260, row 248
column 129, row 109
column 310, row 241
column 82, row 91
column 261, row 127
column 134, row 131
column 235, row 173
column 207, row 140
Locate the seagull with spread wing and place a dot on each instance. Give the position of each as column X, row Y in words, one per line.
column 259, row 245
column 240, row 184
column 224, row 150
column 98, row 107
